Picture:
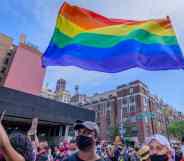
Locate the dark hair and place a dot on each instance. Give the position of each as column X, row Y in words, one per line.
column 178, row 155
column 22, row 145
column 182, row 139
column 72, row 141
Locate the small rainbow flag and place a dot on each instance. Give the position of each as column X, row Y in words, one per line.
column 91, row 41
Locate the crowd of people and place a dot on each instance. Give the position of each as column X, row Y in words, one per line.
column 86, row 147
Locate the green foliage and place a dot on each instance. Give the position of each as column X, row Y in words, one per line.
column 113, row 132
column 116, row 132
column 176, row 129
column 128, row 131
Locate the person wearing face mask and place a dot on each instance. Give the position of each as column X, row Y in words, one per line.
column 72, row 147
column 87, row 133
column 160, row 149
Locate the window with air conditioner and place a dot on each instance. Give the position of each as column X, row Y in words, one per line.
column 6, row 61
column 3, row 70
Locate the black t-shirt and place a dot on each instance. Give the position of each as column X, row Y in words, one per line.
column 75, row 157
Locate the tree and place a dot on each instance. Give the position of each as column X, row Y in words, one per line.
column 176, row 128
column 167, row 112
column 113, row 132
column 128, row 130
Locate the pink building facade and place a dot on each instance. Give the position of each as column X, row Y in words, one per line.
column 26, row 73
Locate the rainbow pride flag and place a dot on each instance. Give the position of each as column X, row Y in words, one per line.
column 91, row 41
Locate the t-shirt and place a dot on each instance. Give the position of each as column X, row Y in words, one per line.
column 182, row 149
column 75, row 157
column 42, row 157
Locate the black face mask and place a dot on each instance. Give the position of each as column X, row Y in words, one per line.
column 156, row 157
column 84, row 142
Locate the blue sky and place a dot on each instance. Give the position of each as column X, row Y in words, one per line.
column 36, row 18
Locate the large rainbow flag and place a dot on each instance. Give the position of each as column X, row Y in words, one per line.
column 91, row 41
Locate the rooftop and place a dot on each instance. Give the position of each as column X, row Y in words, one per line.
column 23, row 105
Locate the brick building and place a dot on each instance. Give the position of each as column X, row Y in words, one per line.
column 20, row 66
column 132, row 108
column 105, row 107
column 7, row 52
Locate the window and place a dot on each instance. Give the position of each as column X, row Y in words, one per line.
column 125, row 110
column 125, row 100
column 6, row 61
column 108, row 104
column 145, row 109
column 3, row 70
column 132, row 99
column 108, row 117
column 132, row 108
column 98, row 107
column 101, row 107
column 134, row 131
column 131, row 90
column 104, row 107
column 71, row 132
column 120, row 102
column 9, row 53
column 97, row 116
column 145, row 101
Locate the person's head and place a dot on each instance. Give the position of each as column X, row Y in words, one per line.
column 136, row 147
column 160, row 149
column 144, row 153
column 182, row 140
column 117, row 140
column 72, row 145
column 178, row 156
column 23, row 146
column 56, row 148
column 65, row 142
column 87, row 133
column 43, row 146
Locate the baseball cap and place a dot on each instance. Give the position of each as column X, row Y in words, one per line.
column 88, row 125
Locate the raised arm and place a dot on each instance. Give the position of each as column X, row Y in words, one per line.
column 8, row 151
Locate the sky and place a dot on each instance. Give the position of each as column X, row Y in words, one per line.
column 36, row 19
